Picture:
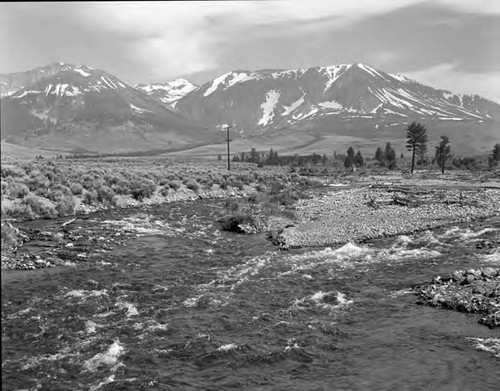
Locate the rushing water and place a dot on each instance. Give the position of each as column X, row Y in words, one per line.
column 182, row 305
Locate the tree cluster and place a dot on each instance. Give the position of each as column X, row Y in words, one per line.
column 386, row 158
column 353, row 160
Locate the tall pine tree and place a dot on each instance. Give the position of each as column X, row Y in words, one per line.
column 379, row 156
column 443, row 152
column 349, row 159
column 494, row 158
column 416, row 141
column 390, row 156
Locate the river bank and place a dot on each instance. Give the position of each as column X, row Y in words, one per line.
column 361, row 214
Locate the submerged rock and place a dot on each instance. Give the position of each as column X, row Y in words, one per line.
column 241, row 223
column 472, row 291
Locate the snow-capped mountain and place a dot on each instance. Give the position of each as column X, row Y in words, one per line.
column 168, row 92
column 66, row 106
column 269, row 99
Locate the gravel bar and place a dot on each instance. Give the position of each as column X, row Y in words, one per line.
column 356, row 215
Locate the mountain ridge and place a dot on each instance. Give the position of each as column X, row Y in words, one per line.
column 323, row 102
column 72, row 106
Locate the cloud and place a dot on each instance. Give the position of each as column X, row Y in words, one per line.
column 448, row 76
column 172, row 38
column 473, row 6
column 155, row 41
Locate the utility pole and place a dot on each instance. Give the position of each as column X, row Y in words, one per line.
column 228, row 158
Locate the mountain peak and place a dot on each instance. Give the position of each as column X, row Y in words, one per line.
column 168, row 92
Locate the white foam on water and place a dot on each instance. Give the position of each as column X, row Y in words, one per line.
column 490, row 345
column 191, row 302
column 399, row 293
column 109, row 357
column 33, row 362
column 144, row 224
column 227, row 347
column 104, row 314
column 207, row 300
column 292, row 345
column 347, row 251
column 402, row 254
column 491, row 258
column 402, row 241
column 451, row 232
column 318, row 299
column 154, row 325
column 467, row 233
column 83, row 293
column 347, row 256
column 110, row 379
column 239, row 274
column 90, row 327
column 131, row 309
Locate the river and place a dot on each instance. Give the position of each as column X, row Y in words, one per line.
column 182, row 305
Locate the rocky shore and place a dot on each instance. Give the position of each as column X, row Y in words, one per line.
column 472, row 291
column 338, row 217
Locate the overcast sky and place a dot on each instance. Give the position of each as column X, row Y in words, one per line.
column 451, row 44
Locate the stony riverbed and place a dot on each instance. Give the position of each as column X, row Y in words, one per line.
column 362, row 214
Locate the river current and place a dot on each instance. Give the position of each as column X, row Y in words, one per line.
column 184, row 306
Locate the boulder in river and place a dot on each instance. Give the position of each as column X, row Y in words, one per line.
column 472, row 291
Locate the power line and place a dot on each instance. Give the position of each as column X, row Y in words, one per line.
column 228, row 158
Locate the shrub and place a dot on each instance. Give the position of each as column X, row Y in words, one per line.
column 88, row 181
column 261, row 188
column 42, row 192
column 174, row 185
column 164, row 191
column 76, row 188
column 105, row 193
column 38, row 181
column 238, row 184
column 121, row 187
column 89, row 197
column 41, row 209
column 141, row 189
column 18, row 190
column 12, row 171
column 58, row 192
column 65, row 203
column 193, row 185
column 20, row 211
column 10, row 237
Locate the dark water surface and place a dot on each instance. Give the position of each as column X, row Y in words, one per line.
column 182, row 305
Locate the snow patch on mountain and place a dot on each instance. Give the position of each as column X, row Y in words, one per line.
column 109, row 82
column 371, row 71
column 331, row 105
column 301, row 116
column 82, row 72
column 138, row 109
column 238, row 78
column 400, row 78
column 59, row 90
column 24, row 93
column 289, row 73
column 215, row 84
column 293, row 106
column 72, row 91
column 333, row 73
column 268, row 107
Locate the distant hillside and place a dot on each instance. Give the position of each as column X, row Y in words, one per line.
column 340, row 100
column 69, row 107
